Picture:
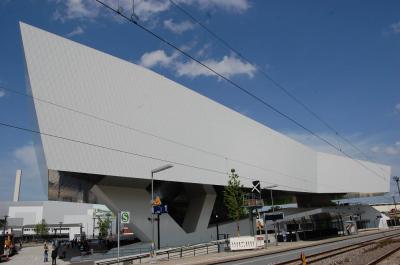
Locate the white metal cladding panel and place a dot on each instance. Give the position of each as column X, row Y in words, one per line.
column 341, row 174
column 84, row 79
column 30, row 214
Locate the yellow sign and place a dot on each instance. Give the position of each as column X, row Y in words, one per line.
column 303, row 259
column 157, row 201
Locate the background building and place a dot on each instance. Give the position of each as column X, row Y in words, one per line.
column 73, row 218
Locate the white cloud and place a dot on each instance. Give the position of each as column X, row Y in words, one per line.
column 2, row 93
column 375, row 149
column 226, row 5
column 155, row 58
column 396, row 27
column 144, row 9
column 392, row 150
column 26, row 155
column 204, row 50
column 76, row 9
column 76, row 31
column 228, row 66
column 84, row 9
column 178, row 27
column 397, row 107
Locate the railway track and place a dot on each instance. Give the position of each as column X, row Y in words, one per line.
column 320, row 257
column 384, row 256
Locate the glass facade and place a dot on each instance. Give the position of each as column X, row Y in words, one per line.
column 72, row 187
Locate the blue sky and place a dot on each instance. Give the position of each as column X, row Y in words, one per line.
column 341, row 58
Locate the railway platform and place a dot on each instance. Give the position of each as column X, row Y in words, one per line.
column 289, row 249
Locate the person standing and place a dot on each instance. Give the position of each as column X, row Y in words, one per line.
column 46, row 252
column 54, row 255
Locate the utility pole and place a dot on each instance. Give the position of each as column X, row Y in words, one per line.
column 60, row 227
column 5, row 225
column 118, row 228
column 217, row 219
column 394, row 200
column 94, row 224
column 81, row 226
column 158, row 231
column 396, row 178
column 154, row 171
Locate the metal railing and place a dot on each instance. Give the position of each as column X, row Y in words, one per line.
column 171, row 253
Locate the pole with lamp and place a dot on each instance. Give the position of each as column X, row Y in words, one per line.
column 396, row 179
column 154, row 171
column 272, row 207
column 60, row 223
column 5, row 224
column 80, row 231
column 217, row 225
column 94, row 225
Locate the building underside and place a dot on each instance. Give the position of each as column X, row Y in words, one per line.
column 192, row 208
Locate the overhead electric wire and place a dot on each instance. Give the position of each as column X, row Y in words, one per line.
column 161, row 137
column 149, row 133
column 241, row 88
column 272, row 80
column 4, row 124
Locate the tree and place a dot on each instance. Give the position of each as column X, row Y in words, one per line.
column 41, row 229
column 103, row 225
column 233, row 199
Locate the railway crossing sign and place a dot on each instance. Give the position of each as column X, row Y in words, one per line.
column 125, row 217
column 256, row 187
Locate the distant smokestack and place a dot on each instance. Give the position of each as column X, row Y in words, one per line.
column 17, row 186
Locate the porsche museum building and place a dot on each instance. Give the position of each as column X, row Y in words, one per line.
column 111, row 123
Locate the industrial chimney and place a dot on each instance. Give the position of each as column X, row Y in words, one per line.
column 17, row 186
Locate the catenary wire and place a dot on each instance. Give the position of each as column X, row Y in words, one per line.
column 162, row 138
column 273, row 81
column 241, row 88
column 4, row 124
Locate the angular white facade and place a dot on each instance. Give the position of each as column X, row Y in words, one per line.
column 157, row 117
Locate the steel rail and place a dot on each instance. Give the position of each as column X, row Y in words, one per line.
column 338, row 251
column 384, row 256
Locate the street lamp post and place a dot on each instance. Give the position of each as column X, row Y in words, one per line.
column 154, row 171
column 80, row 231
column 94, row 225
column 5, row 224
column 158, row 231
column 396, row 178
column 272, row 207
column 216, row 218
column 60, row 227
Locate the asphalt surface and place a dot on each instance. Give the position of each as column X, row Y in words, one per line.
column 293, row 254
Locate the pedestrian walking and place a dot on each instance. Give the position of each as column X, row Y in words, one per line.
column 46, row 252
column 54, row 256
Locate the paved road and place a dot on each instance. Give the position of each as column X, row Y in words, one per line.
column 31, row 256
column 292, row 254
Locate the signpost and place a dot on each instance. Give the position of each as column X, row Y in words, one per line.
column 256, row 187
column 124, row 217
column 159, row 210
